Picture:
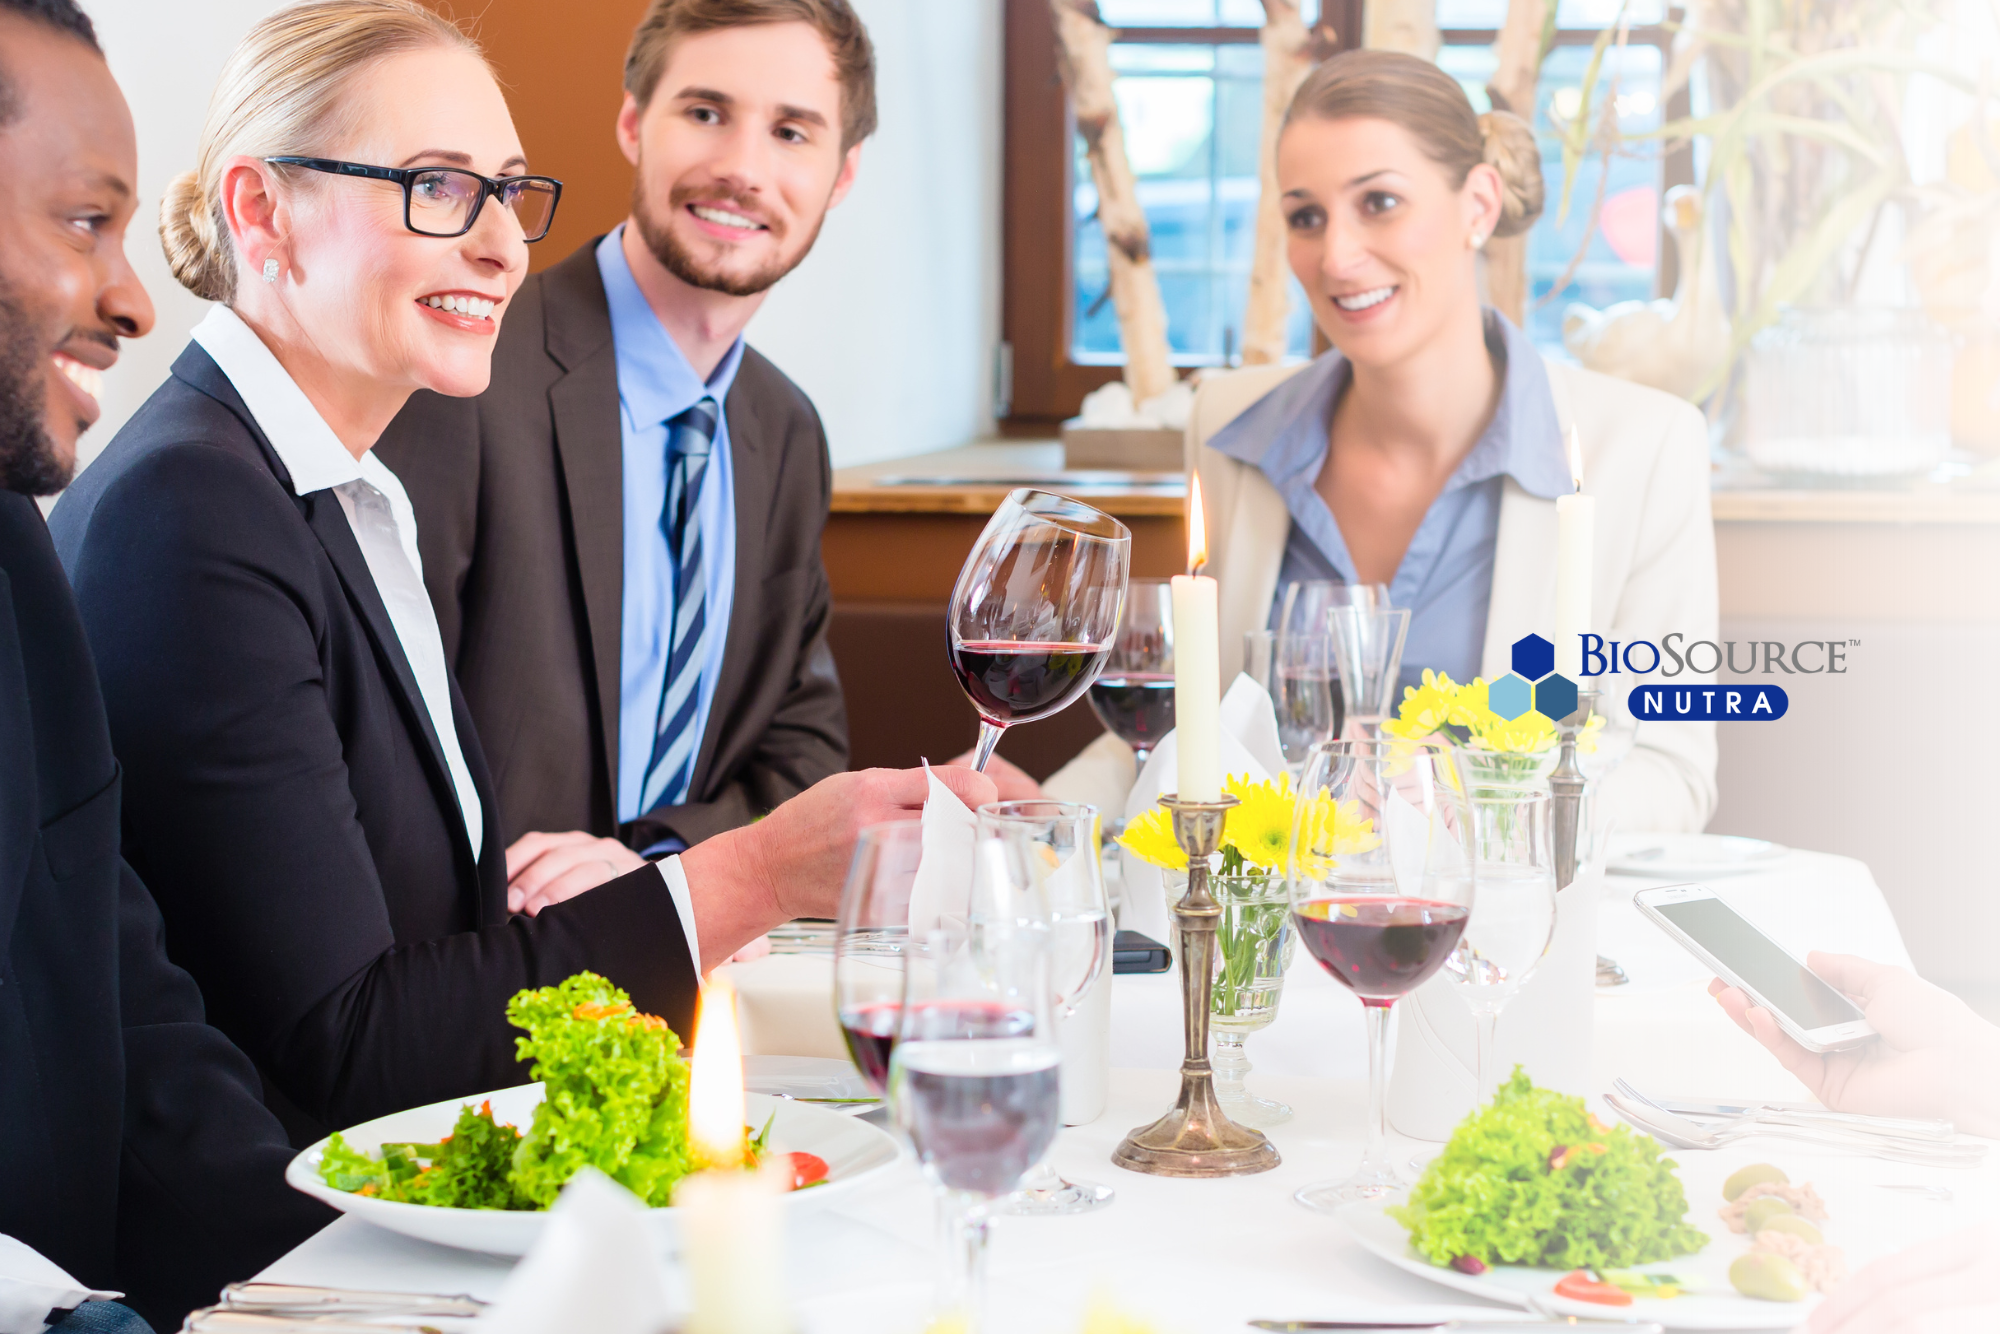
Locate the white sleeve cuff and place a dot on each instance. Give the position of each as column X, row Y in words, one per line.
column 677, row 885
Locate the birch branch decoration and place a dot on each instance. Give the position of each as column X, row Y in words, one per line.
column 1524, row 43
column 1083, row 53
column 1290, row 51
column 1409, row 26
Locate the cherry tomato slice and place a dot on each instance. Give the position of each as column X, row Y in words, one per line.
column 1579, row 1286
column 807, row 1169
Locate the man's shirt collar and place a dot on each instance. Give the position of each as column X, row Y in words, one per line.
column 655, row 381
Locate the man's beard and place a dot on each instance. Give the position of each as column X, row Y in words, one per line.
column 674, row 257
column 29, row 462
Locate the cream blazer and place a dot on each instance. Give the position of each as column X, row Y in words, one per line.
column 1646, row 461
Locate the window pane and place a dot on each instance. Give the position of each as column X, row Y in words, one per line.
column 1592, row 14
column 1192, row 13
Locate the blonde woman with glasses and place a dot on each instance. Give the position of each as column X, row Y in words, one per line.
column 304, row 790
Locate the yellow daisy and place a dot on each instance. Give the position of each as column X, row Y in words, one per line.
column 1150, row 838
column 1425, row 708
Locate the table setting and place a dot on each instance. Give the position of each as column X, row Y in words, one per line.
column 1487, row 1092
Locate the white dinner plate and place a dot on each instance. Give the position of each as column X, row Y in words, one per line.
column 854, row 1151
column 805, row 1078
column 1716, row 1306
column 1693, row 856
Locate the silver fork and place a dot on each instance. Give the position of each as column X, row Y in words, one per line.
column 1852, row 1122
column 1684, row 1134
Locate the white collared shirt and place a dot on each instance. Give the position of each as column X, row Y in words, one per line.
column 377, row 509
column 385, row 527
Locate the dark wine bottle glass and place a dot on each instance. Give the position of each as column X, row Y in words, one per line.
column 1381, row 875
column 1035, row 609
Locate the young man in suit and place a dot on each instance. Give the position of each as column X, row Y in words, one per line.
column 621, row 536
column 135, row 1150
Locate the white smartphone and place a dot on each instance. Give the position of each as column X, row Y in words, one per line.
column 1812, row 1013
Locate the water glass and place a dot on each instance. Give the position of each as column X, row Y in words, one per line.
column 1514, row 914
column 1368, row 650
column 1068, row 862
column 974, row 1079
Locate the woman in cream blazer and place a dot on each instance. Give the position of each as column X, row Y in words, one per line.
column 1426, row 451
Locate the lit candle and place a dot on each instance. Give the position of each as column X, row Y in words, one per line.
column 732, row 1224
column 1576, row 523
column 1197, row 667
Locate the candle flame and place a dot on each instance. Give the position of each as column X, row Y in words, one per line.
column 1574, row 448
column 715, row 1083
column 1197, row 527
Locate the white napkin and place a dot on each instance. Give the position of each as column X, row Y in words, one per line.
column 943, row 883
column 32, row 1285
column 1249, row 746
column 595, row 1267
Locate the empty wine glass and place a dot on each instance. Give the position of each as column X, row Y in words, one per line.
column 1307, row 601
column 974, row 1082
column 1134, row 695
column 1035, row 609
column 1368, row 649
column 1381, row 886
column 1067, row 858
column 870, row 938
column 1514, row 916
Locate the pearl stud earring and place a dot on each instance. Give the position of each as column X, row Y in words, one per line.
column 270, row 270
column 1477, row 240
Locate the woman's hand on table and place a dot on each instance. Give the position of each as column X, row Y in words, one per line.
column 1940, row 1287
column 1935, row 1057
column 1010, row 780
column 548, row 868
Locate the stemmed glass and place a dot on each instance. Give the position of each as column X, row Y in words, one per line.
column 870, row 939
column 1035, row 608
column 1368, row 648
column 974, row 1082
column 1514, row 918
column 1381, row 886
column 1067, row 861
column 1134, row 697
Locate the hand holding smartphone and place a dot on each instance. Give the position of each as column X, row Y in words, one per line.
column 1811, row 1013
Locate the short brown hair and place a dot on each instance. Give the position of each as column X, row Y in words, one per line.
column 835, row 21
column 1415, row 94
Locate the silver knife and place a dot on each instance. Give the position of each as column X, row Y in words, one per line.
column 1469, row 1326
column 1813, row 1114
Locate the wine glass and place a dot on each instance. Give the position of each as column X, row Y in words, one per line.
column 1380, row 876
column 1068, row 862
column 1514, row 916
column 974, row 1082
column 1368, row 647
column 870, row 939
column 1035, row 609
column 1304, row 679
column 1307, row 601
column 1134, row 696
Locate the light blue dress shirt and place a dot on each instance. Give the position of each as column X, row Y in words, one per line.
column 1446, row 576
column 655, row 384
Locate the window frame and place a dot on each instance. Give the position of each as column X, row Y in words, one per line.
column 1045, row 384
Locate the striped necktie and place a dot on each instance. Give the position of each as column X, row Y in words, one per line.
column 670, row 769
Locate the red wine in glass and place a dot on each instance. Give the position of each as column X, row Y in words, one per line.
column 1012, row 681
column 1380, row 947
column 1135, row 707
column 871, row 1035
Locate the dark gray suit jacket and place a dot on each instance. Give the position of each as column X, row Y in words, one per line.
column 519, row 507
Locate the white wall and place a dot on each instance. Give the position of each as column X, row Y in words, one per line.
column 890, row 324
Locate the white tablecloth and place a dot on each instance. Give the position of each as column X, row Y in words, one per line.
column 1206, row 1255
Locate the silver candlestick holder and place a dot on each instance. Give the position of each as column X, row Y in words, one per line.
column 1197, row 1138
column 1566, row 790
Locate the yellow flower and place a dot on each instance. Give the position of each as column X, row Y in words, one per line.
column 1260, row 828
column 1529, row 734
column 1150, row 838
column 1330, row 829
column 1425, row 709
column 1470, row 709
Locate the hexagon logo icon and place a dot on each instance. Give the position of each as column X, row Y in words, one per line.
column 1510, row 697
column 1534, row 658
column 1555, row 698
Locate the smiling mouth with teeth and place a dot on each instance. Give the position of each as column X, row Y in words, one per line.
column 472, row 307
column 1363, row 300
column 89, row 379
column 722, row 217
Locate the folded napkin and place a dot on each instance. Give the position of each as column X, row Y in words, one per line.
column 1249, row 746
column 943, row 884
column 596, row 1266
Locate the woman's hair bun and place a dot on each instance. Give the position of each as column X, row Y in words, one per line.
column 195, row 249
column 1511, row 150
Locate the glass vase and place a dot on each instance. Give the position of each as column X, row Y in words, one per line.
column 1506, row 769
column 1253, row 946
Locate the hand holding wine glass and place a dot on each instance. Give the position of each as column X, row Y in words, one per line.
column 1035, row 608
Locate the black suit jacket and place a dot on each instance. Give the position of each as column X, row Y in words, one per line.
column 285, row 796
column 520, row 519
column 134, row 1150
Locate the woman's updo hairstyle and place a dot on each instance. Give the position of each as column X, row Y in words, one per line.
column 279, row 95
column 1429, row 104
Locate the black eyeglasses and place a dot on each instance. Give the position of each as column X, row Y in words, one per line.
column 445, row 201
